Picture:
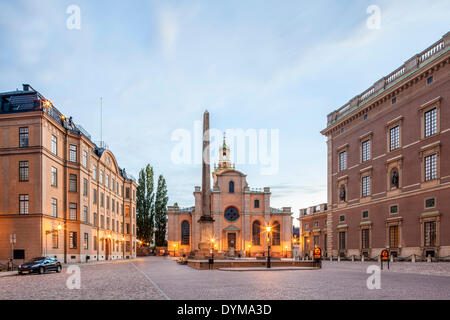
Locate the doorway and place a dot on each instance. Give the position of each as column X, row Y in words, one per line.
column 107, row 249
column 232, row 240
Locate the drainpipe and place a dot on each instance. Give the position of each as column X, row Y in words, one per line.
column 65, row 193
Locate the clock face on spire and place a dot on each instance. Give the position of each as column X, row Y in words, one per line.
column 231, row 214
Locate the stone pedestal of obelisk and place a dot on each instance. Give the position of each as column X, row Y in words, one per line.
column 206, row 220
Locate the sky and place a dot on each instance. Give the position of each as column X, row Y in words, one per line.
column 272, row 66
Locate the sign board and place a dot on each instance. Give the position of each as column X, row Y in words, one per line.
column 317, row 253
column 12, row 238
column 385, row 255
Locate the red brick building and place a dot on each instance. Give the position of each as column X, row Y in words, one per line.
column 389, row 163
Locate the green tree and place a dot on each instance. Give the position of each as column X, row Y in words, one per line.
column 160, row 212
column 145, row 211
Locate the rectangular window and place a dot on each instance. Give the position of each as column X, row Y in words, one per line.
column 112, row 205
column 94, row 196
column 107, row 202
column 341, row 218
column 54, row 145
column 86, row 241
column 85, row 187
column 365, row 238
column 113, row 225
column 55, row 240
column 107, row 223
column 72, row 153
column 430, row 203
column 101, row 176
column 23, row 137
column 430, row 233
column 95, row 219
column 128, row 228
column 107, row 180
column 430, row 122
column 127, row 193
column 72, row 240
column 54, row 177
column 393, row 209
column 365, row 214
column 54, row 207
column 23, row 170
column 316, row 241
column 85, row 164
column 325, row 239
column 72, row 182
column 85, row 214
column 366, row 186
column 430, row 167
column 72, row 211
column 95, row 243
column 393, row 237
column 342, row 160
column 23, row 204
column 102, row 222
column 342, row 244
column 366, row 151
column 102, row 199
column 94, row 172
column 394, row 138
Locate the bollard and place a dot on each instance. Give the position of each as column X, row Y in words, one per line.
column 331, row 258
column 362, row 258
column 392, row 258
column 429, row 258
column 339, row 258
column 353, row 258
column 413, row 259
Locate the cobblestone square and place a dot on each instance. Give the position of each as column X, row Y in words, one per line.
column 156, row 278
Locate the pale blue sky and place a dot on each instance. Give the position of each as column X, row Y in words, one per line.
column 253, row 64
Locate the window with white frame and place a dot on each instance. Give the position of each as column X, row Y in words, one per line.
column 23, row 170
column 54, row 144
column 54, row 207
column 342, row 160
column 365, row 151
column 394, row 138
column 72, row 153
column 23, row 204
column 72, row 182
column 85, row 159
column 85, row 214
column 430, row 122
column 366, row 186
column 94, row 172
column 72, row 211
column 431, row 167
column 54, row 177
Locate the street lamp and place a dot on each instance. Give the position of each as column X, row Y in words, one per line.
column 123, row 247
column 249, row 252
column 174, row 248
column 268, row 230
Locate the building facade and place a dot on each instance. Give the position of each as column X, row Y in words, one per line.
column 389, row 164
column 313, row 230
column 61, row 194
column 240, row 214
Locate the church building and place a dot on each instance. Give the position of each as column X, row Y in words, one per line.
column 240, row 216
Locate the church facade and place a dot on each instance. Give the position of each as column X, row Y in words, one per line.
column 241, row 216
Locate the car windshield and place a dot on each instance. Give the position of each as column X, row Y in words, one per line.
column 36, row 260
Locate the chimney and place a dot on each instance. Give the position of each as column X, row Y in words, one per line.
column 26, row 87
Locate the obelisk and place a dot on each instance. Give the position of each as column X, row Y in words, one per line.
column 206, row 220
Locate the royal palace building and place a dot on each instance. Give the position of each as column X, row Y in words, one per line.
column 61, row 194
column 389, row 166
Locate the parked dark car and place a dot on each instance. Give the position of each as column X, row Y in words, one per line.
column 40, row 265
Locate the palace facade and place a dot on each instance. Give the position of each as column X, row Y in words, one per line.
column 240, row 215
column 389, row 166
column 61, row 194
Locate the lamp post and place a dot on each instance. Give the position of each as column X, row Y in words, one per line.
column 174, row 248
column 123, row 248
column 249, row 252
column 268, row 229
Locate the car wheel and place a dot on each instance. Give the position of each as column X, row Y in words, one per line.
column 58, row 269
column 41, row 270
column 20, row 272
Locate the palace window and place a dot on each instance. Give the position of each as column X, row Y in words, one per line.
column 256, row 233
column 429, row 233
column 85, row 164
column 85, row 214
column 231, row 187
column 54, row 145
column 72, row 211
column 342, row 160
column 85, row 187
column 365, row 238
column 256, row 204
column 95, row 219
column 102, row 222
column 430, row 122
column 86, row 241
column 431, row 167
column 365, row 186
column 23, row 204
column 342, row 242
column 365, row 156
column 72, row 182
column 23, row 170
column 54, row 207
column 54, row 177
column 23, row 137
column 95, row 243
column 102, row 199
column 393, row 237
column 276, row 235
column 72, row 153
column 94, row 196
column 185, row 233
column 394, row 138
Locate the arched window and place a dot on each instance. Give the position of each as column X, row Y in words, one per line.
column 231, row 187
column 256, row 233
column 185, row 233
column 276, row 234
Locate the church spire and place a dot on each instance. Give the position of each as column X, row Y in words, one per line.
column 224, row 158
